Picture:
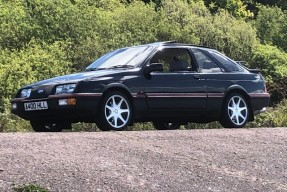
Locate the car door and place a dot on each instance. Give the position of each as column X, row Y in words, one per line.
column 221, row 75
column 217, row 80
column 178, row 86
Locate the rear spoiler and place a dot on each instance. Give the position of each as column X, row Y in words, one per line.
column 254, row 70
column 244, row 64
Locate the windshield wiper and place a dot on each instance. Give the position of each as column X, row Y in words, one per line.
column 95, row 69
column 113, row 67
column 121, row 66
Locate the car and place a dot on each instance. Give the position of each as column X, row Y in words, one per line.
column 167, row 83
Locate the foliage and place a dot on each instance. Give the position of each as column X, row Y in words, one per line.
column 271, row 25
column 273, row 117
column 13, row 123
column 230, row 34
column 278, row 90
column 279, row 3
column 16, row 27
column 141, row 126
column 236, row 7
column 34, row 63
column 271, row 60
column 193, row 23
column 87, row 127
column 211, row 125
column 30, row 188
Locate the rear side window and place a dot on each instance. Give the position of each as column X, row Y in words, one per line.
column 205, row 63
column 228, row 64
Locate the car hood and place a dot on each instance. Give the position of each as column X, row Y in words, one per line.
column 75, row 77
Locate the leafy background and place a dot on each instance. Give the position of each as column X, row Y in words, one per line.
column 41, row 39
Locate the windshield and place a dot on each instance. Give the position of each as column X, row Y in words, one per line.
column 121, row 58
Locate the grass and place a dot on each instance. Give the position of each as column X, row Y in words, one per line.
column 30, row 188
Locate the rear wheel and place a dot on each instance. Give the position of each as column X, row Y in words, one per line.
column 159, row 125
column 235, row 111
column 39, row 126
column 115, row 112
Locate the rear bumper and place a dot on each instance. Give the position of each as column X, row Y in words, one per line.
column 259, row 111
column 259, row 102
column 84, row 110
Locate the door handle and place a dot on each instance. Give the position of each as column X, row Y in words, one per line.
column 196, row 76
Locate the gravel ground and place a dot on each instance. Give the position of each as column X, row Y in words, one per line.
column 181, row 160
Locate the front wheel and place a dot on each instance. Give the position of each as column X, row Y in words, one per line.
column 159, row 125
column 115, row 112
column 235, row 111
column 39, row 126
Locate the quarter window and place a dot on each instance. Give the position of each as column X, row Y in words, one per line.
column 205, row 64
column 229, row 64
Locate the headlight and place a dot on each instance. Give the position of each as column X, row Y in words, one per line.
column 25, row 93
column 63, row 89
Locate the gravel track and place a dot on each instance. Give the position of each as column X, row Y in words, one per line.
column 181, row 160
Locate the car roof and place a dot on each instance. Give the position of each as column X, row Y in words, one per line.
column 174, row 44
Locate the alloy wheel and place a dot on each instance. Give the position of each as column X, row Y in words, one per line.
column 237, row 110
column 117, row 111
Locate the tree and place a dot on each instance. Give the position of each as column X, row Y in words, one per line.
column 271, row 25
column 16, row 27
column 235, row 7
column 279, row 3
column 234, row 37
column 36, row 62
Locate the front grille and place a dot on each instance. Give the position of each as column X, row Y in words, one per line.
column 39, row 93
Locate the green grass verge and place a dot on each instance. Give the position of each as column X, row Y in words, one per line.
column 30, row 188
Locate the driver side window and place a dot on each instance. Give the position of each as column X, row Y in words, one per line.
column 173, row 60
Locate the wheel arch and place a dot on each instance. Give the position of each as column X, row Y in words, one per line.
column 118, row 87
column 243, row 92
column 121, row 88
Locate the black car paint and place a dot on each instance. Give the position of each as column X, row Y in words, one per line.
column 182, row 96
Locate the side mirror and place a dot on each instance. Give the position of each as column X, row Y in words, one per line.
column 153, row 67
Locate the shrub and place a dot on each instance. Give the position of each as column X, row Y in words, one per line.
column 277, row 90
column 30, row 188
column 271, row 23
column 273, row 117
column 271, row 60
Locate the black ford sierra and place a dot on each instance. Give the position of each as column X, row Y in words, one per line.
column 167, row 83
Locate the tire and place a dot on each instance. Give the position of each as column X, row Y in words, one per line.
column 160, row 125
column 115, row 112
column 235, row 112
column 39, row 126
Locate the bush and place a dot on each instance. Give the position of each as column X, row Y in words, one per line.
column 13, row 123
column 30, row 188
column 271, row 60
column 273, row 117
column 277, row 90
column 271, row 25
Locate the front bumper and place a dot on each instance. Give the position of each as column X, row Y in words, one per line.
column 83, row 110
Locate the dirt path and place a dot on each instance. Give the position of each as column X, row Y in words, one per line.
column 183, row 160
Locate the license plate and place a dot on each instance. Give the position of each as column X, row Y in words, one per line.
column 32, row 106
